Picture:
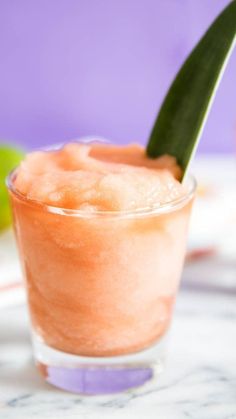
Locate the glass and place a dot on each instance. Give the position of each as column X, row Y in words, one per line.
column 101, row 288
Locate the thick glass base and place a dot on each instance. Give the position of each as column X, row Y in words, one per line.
column 94, row 376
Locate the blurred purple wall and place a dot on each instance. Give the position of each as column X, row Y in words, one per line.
column 71, row 68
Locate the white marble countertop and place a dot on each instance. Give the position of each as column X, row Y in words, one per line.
column 198, row 383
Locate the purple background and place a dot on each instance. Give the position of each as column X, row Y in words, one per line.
column 71, row 68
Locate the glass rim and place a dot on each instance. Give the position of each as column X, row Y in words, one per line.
column 167, row 207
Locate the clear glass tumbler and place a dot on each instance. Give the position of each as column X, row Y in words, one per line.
column 101, row 288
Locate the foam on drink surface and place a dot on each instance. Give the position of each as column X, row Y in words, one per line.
column 99, row 177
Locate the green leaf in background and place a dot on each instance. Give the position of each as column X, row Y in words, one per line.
column 181, row 119
column 9, row 159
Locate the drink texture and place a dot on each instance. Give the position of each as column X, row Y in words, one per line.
column 101, row 244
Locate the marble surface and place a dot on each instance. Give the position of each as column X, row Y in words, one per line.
column 199, row 381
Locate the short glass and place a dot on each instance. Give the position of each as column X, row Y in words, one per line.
column 101, row 288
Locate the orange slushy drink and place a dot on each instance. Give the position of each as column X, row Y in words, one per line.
column 102, row 234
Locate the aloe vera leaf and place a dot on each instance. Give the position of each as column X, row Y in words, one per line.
column 182, row 116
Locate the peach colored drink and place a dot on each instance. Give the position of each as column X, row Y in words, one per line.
column 102, row 234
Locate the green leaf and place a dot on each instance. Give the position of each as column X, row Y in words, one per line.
column 9, row 159
column 184, row 111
